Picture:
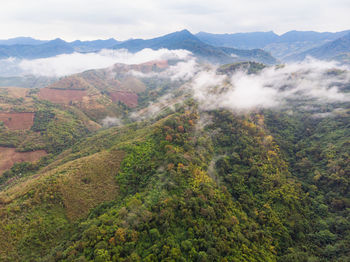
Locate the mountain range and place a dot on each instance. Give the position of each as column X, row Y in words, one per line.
column 47, row 49
column 22, row 41
column 178, row 40
column 289, row 46
column 328, row 51
column 187, row 41
column 264, row 47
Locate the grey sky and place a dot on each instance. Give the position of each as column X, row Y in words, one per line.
column 123, row 19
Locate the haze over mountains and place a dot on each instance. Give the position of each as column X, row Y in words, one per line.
column 290, row 44
column 178, row 40
column 265, row 47
column 185, row 40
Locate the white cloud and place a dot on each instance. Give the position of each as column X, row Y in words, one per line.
column 67, row 64
column 183, row 70
column 111, row 121
column 273, row 87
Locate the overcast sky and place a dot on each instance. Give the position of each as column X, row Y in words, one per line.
column 124, row 19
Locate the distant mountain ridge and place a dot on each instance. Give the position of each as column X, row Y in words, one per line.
column 330, row 50
column 263, row 47
column 30, row 48
column 187, row 41
column 94, row 45
column 177, row 40
column 48, row 49
column 239, row 40
column 22, row 41
column 288, row 44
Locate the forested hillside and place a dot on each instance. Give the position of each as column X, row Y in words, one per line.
column 189, row 172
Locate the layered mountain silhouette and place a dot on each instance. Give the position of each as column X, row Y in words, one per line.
column 51, row 48
column 239, row 40
column 262, row 47
column 178, row 40
column 22, row 41
column 95, row 45
column 292, row 43
column 187, row 41
column 331, row 50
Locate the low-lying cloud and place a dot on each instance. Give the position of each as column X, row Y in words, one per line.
column 67, row 64
column 183, row 70
column 155, row 108
column 314, row 81
column 111, row 121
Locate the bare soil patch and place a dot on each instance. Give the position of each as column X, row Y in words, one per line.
column 62, row 96
column 154, row 65
column 71, row 82
column 127, row 98
column 9, row 156
column 17, row 121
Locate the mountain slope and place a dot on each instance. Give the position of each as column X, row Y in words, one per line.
column 310, row 36
column 178, row 40
column 51, row 48
column 32, row 49
column 239, row 40
column 257, row 55
column 186, row 183
column 168, row 204
column 95, row 45
column 294, row 42
column 45, row 121
column 187, row 41
column 289, row 43
column 327, row 51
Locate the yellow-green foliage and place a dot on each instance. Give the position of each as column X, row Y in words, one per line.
column 254, row 187
column 38, row 213
column 90, row 182
column 169, row 208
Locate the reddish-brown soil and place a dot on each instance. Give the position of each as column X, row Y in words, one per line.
column 127, row 98
column 17, row 121
column 9, row 156
column 132, row 84
column 61, row 96
column 154, row 65
column 71, row 82
column 101, row 79
column 151, row 66
column 144, row 67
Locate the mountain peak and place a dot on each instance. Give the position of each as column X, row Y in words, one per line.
column 185, row 31
column 58, row 40
column 182, row 33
